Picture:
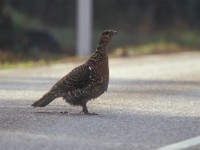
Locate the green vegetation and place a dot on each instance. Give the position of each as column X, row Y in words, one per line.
column 38, row 33
column 165, row 42
column 64, row 36
column 23, row 64
column 131, row 44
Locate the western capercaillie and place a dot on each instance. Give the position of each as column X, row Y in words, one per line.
column 85, row 82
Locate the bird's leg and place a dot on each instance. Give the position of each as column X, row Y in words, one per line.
column 85, row 110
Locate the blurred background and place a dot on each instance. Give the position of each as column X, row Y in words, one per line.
column 46, row 30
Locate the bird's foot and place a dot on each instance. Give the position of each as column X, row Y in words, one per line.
column 64, row 112
column 88, row 113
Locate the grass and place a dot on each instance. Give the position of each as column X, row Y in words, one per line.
column 23, row 64
column 125, row 44
column 165, row 42
column 153, row 48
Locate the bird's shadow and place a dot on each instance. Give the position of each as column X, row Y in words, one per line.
column 65, row 114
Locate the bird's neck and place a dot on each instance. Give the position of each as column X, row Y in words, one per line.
column 99, row 55
column 102, row 45
column 101, row 50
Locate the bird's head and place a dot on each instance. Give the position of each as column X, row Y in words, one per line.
column 107, row 35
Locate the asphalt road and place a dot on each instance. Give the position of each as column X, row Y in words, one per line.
column 152, row 101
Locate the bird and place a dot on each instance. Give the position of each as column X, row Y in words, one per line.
column 85, row 82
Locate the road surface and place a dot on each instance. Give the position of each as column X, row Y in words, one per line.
column 153, row 101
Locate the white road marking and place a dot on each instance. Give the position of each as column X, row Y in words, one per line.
column 182, row 144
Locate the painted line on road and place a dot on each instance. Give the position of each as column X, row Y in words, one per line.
column 182, row 145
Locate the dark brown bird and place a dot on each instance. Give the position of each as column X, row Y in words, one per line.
column 85, row 82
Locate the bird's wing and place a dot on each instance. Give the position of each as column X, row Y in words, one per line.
column 79, row 77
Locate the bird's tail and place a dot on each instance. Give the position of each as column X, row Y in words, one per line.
column 45, row 100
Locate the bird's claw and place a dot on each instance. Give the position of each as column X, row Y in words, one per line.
column 88, row 113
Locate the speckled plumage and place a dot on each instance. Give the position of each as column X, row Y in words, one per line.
column 85, row 82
